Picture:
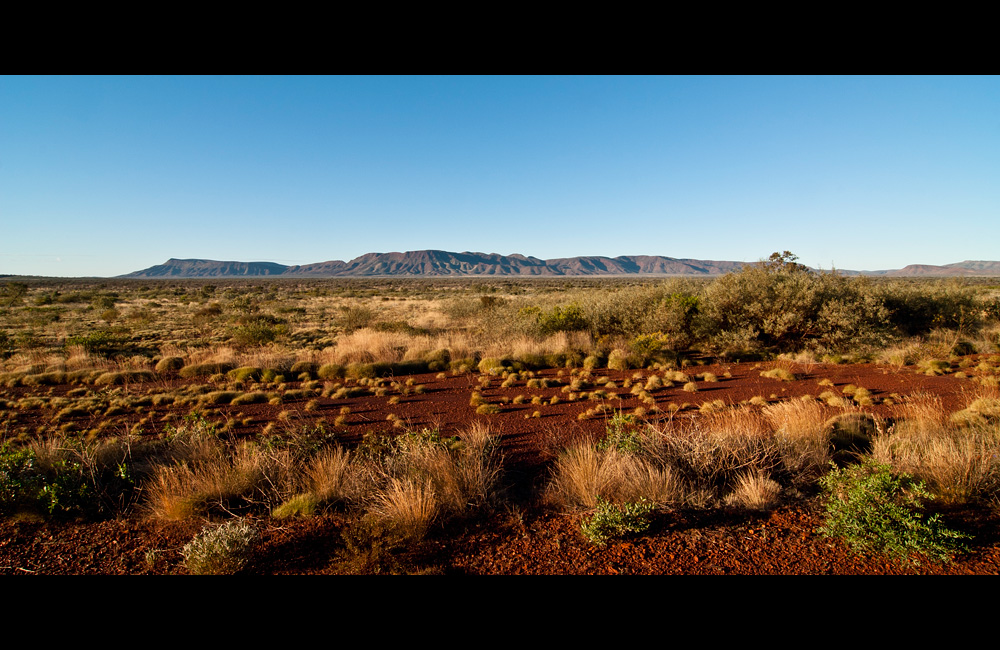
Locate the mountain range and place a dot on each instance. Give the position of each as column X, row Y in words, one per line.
column 433, row 263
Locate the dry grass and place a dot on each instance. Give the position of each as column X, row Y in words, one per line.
column 723, row 452
column 802, row 437
column 424, row 480
column 781, row 374
column 677, row 465
column 329, row 476
column 407, row 507
column 215, row 477
column 960, row 464
column 754, row 491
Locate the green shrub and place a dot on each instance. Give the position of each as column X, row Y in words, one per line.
column 780, row 305
column 257, row 332
column 300, row 367
column 356, row 317
column 60, row 488
column 610, row 520
column 220, row 550
column 438, row 360
column 619, row 360
column 300, row 505
column 98, row 342
column 255, row 397
column 562, row 319
column 871, row 508
column 219, row 397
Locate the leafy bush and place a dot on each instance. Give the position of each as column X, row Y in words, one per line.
column 873, row 509
column 780, row 305
column 25, row 483
column 100, row 341
column 220, row 550
column 610, row 520
column 257, row 331
column 356, row 317
column 562, row 319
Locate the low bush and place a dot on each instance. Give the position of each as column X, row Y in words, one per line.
column 28, row 482
column 871, row 508
column 245, row 373
column 98, row 342
column 124, row 377
column 204, row 369
column 169, row 364
column 610, row 521
column 220, row 550
column 330, row 371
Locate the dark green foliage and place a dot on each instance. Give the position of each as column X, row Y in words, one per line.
column 438, row 360
column 673, row 316
column 780, row 305
column 871, row 508
column 300, row 367
column 917, row 308
column 610, row 521
column 123, row 377
column 104, row 302
column 25, row 484
column 258, row 331
column 98, row 342
column 562, row 319
column 399, row 326
column 245, row 373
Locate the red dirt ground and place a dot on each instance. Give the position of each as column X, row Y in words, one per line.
column 522, row 537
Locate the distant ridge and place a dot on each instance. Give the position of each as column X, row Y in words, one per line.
column 434, row 263
column 968, row 267
column 174, row 268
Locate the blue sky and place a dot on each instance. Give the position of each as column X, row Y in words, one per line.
column 101, row 176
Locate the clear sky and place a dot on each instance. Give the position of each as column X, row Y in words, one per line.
column 101, row 176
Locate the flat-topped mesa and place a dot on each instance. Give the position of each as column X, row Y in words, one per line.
column 175, row 268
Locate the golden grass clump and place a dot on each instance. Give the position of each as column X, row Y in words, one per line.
column 583, row 473
column 426, row 479
column 214, row 477
column 958, row 458
column 329, row 479
column 781, row 374
column 754, row 491
column 802, row 435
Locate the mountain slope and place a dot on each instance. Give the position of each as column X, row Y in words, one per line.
column 435, row 263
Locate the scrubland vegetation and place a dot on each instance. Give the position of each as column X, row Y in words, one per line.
column 244, row 401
